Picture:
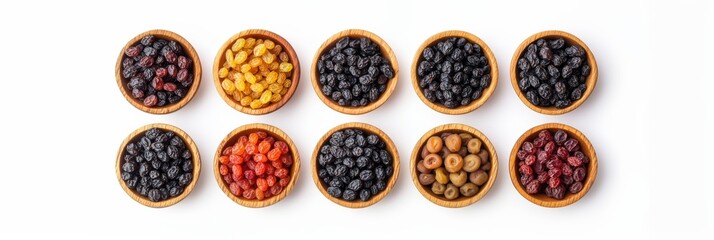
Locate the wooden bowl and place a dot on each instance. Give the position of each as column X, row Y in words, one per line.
column 257, row 34
column 390, row 148
column 188, row 50
column 486, row 92
column 461, row 201
column 196, row 160
column 272, row 131
column 569, row 39
column 383, row 48
column 541, row 199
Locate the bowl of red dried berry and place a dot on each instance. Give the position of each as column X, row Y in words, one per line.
column 158, row 71
column 256, row 165
column 158, row 165
column 553, row 165
column 553, row 72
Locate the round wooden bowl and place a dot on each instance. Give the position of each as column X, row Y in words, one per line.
column 383, row 48
column 272, row 131
column 257, row 34
column 461, row 201
column 189, row 51
column 486, row 92
column 390, row 148
column 541, row 199
column 196, row 160
column 569, row 39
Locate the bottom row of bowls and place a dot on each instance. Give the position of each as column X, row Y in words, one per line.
column 356, row 165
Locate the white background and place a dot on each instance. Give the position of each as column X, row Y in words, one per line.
column 649, row 118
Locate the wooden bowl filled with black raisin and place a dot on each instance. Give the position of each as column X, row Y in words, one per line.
column 553, row 165
column 355, row 165
column 553, row 72
column 454, row 72
column 158, row 165
column 354, row 72
column 256, row 71
column 454, row 165
column 158, row 71
column 256, row 165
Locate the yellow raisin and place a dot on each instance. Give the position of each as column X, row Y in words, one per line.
column 264, row 71
column 238, row 44
column 268, row 58
column 283, row 57
column 276, row 97
column 269, row 44
column 284, row 91
column 229, row 58
column 277, row 49
column 255, row 62
column 247, row 90
column 237, row 95
column 256, row 104
column 249, row 43
column 265, row 97
column 259, row 50
column 287, row 83
column 240, row 57
column 237, row 76
column 223, row 72
column 240, row 85
column 285, row 67
column 245, row 101
column 271, row 77
column 255, row 95
column 245, row 68
column 249, row 77
column 257, row 88
column 228, row 86
column 274, row 66
column 259, row 41
column 281, row 78
column 275, row 88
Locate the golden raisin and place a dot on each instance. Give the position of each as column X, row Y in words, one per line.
column 245, row 101
column 245, row 68
column 285, row 66
column 240, row 57
column 240, row 85
column 249, row 77
column 283, row 57
column 259, row 50
column 223, row 72
column 249, row 43
column 276, row 97
column 229, row 58
column 256, row 104
column 238, row 44
column 228, row 86
column 255, row 62
column 269, row 44
column 265, row 97
column 268, row 58
column 287, row 83
column 275, row 88
column 258, row 88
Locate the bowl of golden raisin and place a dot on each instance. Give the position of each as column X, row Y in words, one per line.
column 256, row 71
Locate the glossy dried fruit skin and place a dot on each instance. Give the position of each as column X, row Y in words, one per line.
column 451, row 74
column 358, row 66
column 453, row 162
column 434, row 144
column 145, row 167
column 555, row 76
column 472, row 163
column 147, row 77
column 254, row 171
column 354, row 160
column 558, row 168
column 432, row 161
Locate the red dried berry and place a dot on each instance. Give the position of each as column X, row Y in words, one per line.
column 554, row 182
column 575, row 162
column 282, row 146
column 525, row 169
column 284, row 182
column 281, row 173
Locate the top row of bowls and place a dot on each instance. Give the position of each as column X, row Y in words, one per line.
column 220, row 61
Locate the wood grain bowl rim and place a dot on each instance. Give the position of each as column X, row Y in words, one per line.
column 491, row 61
column 188, row 50
column 541, row 199
column 196, row 160
column 391, row 148
column 461, row 201
column 258, row 34
column 590, row 82
column 272, row 131
column 386, row 51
